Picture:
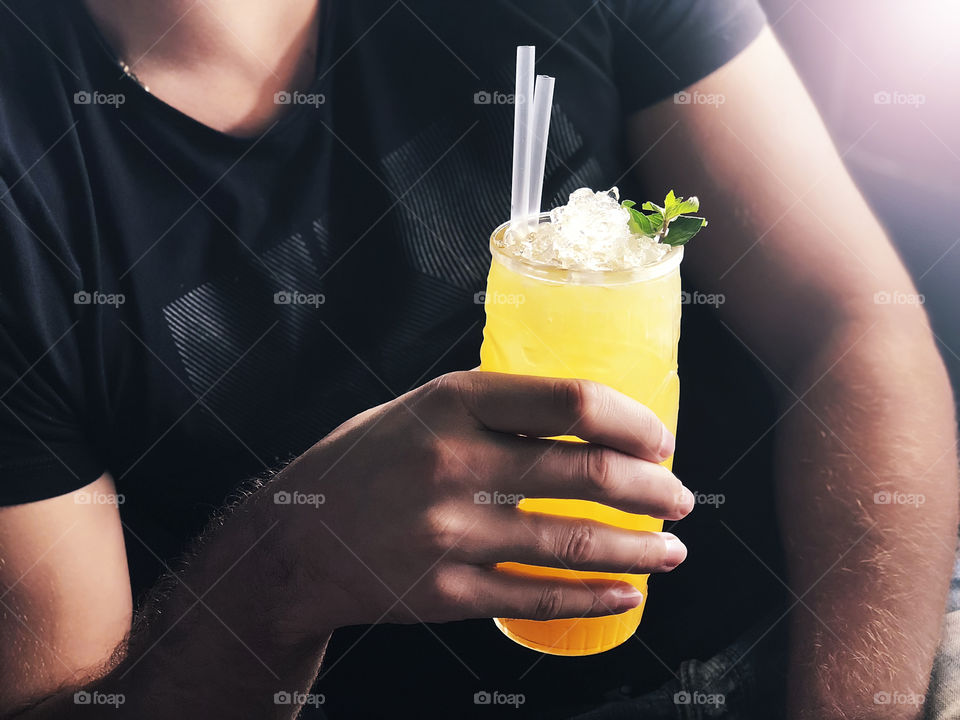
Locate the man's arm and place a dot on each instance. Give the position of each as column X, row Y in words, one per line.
column 802, row 263
column 213, row 643
column 70, row 547
column 376, row 523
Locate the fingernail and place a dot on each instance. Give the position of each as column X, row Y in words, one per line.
column 676, row 551
column 620, row 599
column 667, row 444
column 685, row 501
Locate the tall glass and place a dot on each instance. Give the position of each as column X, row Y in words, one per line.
column 619, row 328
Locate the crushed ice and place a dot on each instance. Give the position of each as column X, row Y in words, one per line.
column 590, row 232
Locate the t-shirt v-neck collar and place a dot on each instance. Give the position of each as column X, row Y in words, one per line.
column 103, row 54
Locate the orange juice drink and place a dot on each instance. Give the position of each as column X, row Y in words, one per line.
column 618, row 326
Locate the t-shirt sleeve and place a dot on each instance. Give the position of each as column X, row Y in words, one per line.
column 44, row 451
column 664, row 46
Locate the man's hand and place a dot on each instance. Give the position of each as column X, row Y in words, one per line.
column 375, row 523
column 399, row 536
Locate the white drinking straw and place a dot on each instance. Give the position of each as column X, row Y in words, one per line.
column 542, row 105
column 522, row 131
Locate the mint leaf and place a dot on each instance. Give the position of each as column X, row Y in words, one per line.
column 643, row 224
column 670, row 224
column 681, row 229
column 674, row 206
column 684, row 207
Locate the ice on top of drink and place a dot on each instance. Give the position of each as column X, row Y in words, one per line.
column 594, row 231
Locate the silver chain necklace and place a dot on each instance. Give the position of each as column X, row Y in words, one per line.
column 128, row 71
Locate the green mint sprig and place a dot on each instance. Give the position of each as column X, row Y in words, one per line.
column 670, row 224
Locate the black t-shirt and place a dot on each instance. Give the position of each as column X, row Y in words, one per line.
column 186, row 310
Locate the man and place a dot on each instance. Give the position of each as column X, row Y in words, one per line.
column 262, row 238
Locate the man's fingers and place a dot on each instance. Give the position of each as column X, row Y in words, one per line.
column 501, row 593
column 547, row 407
column 511, row 535
column 583, row 471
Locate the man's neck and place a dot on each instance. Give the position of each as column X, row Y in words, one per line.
column 219, row 61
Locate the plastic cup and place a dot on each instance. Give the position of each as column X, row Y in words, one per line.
column 620, row 328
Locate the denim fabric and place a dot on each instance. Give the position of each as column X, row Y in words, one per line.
column 943, row 695
column 745, row 681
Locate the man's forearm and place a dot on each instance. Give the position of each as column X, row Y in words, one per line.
column 867, row 474
column 225, row 638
